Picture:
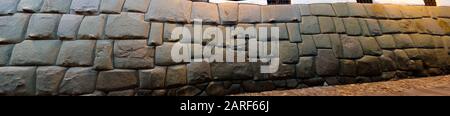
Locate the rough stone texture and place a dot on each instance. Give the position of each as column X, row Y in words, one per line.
column 322, row 41
column 388, row 62
column 284, row 32
column 249, row 13
column 351, row 47
column 163, row 55
column 112, row 6
column 136, row 6
column 352, row 26
column 403, row 41
column 279, row 13
column 92, row 27
column 285, row 71
column 326, row 25
column 13, row 28
column 85, row 7
column 104, row 55
column 198, row 72
column 307, row 47
column 407, row 26
column 386, row 41
column 304, row 9
column 357, row 10
column 228, row 13
column 370, row 46
column 68, row 26
column 326, row 63
column 207, row 12
column 129, row 92
column 5, row 53
column 29, row 5
column 175, row 11
column 422, row 40
column 78, row 81
column 348, row 68
column 56, row 6
column 402, row 60
column 156, row 34
column 117, row 80
column 305, row 67
column 43, row 26
column 389, row 26
column 369, row 66
column 322, row 10
column 341, row 9
column 17, row 81
column 48, row 80
column 339, row 25
column 167, row 35
column 126, row 27
column 8, row 6
column 152, row 79
column 35, row 52
column 133, row 54
column 76, row 53
column 176, row 75
column 309, row 25
column 288, row 52
column 376, row 10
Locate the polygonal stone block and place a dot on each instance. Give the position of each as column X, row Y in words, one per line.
column 249, row 13
column 35, row 52
column 68, row 26
column 92, row 27
column 272, row 13
column 133, row 54
column 136, row 6
column 13, row 28
column 43, row 26
column 76, row 53
column 228, row 13
column 8, row 6
column 85, row 7
column 78, row 81
column 117, row 80
column 174, row 11
column 29, row 5
column 112, row 6
column 124, row 26
column 56, row 6
column 18, row 81
column 207, row 12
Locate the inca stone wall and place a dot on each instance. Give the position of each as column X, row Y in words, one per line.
column 122, row 47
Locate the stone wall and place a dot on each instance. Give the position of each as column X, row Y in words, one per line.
column 122, row 47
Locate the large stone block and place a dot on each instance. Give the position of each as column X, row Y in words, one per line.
column 228, row 13
column 168, row 29
column 322, row 41
column 309, row 25
column 48, row 80
column 13, row 28
column 280, row 13
column 43, row 26
column 103, row 55
column 198, row 72
column 339, row 25
column 369, row 66
column 388, row 61
column 352, row 26
column 207, row 12
column 76, row 53
column 133, row 54
column 163, row 55
column 393, row 11
column 422, row 40
column 389, row 26
column 112, row 6
column 348, row 68
column 305, row 67
column 38, row 52
column 19, row 81
column 174, row 11
column 407, row 26
column 351, row 47
column 357, row 10
column 85, row 7
column 92, row 27
column 249, row 13
column 5, row 53
column 288, row 52
column 56, row 6
column 136, row 6
column 176, row 76
column 322, row 10
column 304, row 9
column 327, row 25
column 341, row 9
column 152, row 79
column 285, row 71
column 386, row 41
column 443, row 11
column 376, row 10
column 117, row 80
column 124, row 26
column 68, row 26
column 370, row 46
column 8, row 6
column 156, row 34
column 307, row 47
column 412, row 11
column 326, row 63
column 430, row 26
column 403, row 41
column 78, row 81
column 402, row 60
column 29, row 5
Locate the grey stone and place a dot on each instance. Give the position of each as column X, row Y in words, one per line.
column 322, row 41
column 207, row 12
column 8, row 6
column 389, row 26
column 153, row 78
column 284, row 32
column 216, row 89
column 279, row 83
column 222, row 71
column 341, row 9
column 322, row 10
column 407, row 26
column 112, row 6
column 76, row 53
column 352, row 26
column 402, row 60
column 117, row 80
column 198, row 72
column 316, row 81
column 394, row 11
column 129, row 92
column 369, row 66
column 309, row 25
column 357, row 10
column 430, row 58
column 373, row 27
column 411, row 11
column 136, row 6
column 188, row 91
column 5, row 54
column 163, row 55
column 288, row 52
column 168, row 28
column 304, row 9
column 364, row 27
column 386, row 41
column 56, row 6
column 285, row 71
column 92, row 27
column 156, row 34
column 228, row 13
column 422, row 40
column 229, row 71
column 336, row 45
column 68, row 26
column 176, row 76
column 85, row 7
column 103, row 55
column 48, row 80
column 403, row 41
column 126, row 27
column 348, row 68
column 327, row 25
column 339, row 25
column 413, row 53
column 38, row 52
column 18, row 81
column 326, row 63
column 280, row 13
column 13, row 28
column 175, row 11
column 249, row 13
column 308, row 46
column 291, row 83
column 29, row 5
column 351, row 47
column 78, row 81
column 43, row 26
column 242, row 71
column 388, row 61
column 305, row 67
column 370, row 46
column 133, row 54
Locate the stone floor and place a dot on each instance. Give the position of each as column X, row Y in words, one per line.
column 433, row 86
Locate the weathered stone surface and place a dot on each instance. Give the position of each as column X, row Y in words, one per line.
column 430, row 58
column 8, row 6
column 413, row 53
column 403, row 41
column 352, row 26
column 56, row 6
column 103, row 55
column 249, row 13
column 85, row 7
column 112, row 6
column 29, row 5
column 412, row 11
column 322, row 41
column 117, row 80
column 316, row 81
column 326, row 63
column 38, row 52
column 430, row 26
column 133, row 54
column 285, row 71
column 17, row 81
column 294, row 32
column 309, row 25
column 78, row 81
column 357, row 10
column 339, row 25
column 305, row 67
column 364, row 27
column 76, row 53
column 207, row 12
column 284, row 32
column 43, row 26
column 407, row 26
column 136, row 6
column 152, row 79
column 307, row 47
column 48, row 80
column 341, row 9
column 163, row 55
column 376, row 10
column 347, row 68
column 228, row 13
column 422, row 40
column 68, row 26
column 386, row 41
column 438, row 42
column 126, row 27
column 327, row 25
column 370, row 46
column 336, row 45
column 388, row 61
column 351, row 47
column 13, row 28
column 280, row 13
column 402, row 60
column 445, row 25
column 156, row 34
column 176, row 75
column 369, row 66
column 198, row 72
column 304, row 9
column 188, row 91
column 322, row 10
column 92, row 27
column 175, row 10
column 441, row 56
column 389, row 26
column 393, row 11
column 168, row 28
column 5, row 53
column 216, row 89
column 288, row 52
